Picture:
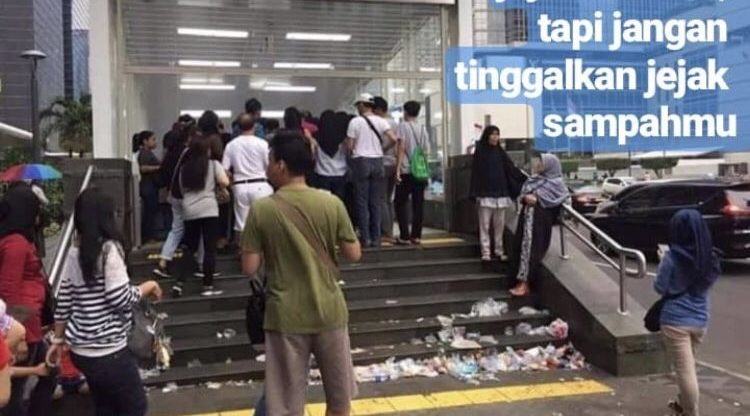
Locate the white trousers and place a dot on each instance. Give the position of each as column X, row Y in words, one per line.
column 495, row 216
column 244, row 196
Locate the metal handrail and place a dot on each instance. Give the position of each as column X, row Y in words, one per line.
column 623, row 253
column 67, row 236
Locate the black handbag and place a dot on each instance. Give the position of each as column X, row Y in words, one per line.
column 255, row 312
column 652, row 320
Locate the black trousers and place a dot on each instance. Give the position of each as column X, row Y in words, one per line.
column 150, row 197
column 208, row 229
column 115, row 384
column 409, row 188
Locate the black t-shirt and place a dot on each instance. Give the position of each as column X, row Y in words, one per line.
column 148, row 158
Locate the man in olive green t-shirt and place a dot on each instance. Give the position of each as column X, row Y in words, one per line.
column 305, row 307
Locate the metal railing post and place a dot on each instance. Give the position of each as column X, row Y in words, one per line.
column 67, row 235
column 623, row 292
column 563, row 253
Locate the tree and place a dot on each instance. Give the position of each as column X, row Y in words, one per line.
column 658, row 165
column 569, row 166
column 612, row 165
column 71, row 119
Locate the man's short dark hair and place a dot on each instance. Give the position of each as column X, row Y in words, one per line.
column 381, row 104
column 411, row 108
column 253, row 106
column 246, row 122
column 291, row 147
column 271, row 124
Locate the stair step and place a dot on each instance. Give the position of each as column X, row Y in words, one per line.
column 141, row 265
column 356, row 289
column 211, row 349
column 251, row 369
column 200, row 322
column 387, row 270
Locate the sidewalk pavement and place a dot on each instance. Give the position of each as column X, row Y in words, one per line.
column 555, row 393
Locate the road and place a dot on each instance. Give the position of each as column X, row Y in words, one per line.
column 727, row 343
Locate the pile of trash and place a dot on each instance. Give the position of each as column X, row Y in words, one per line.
column 474, row 367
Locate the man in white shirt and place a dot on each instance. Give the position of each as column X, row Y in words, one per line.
column 246, row 159
column 367, row 134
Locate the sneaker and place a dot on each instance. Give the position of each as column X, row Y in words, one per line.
column 402, row 242
column 162, row 272
column 209, row 290
column 202, row 275
column 176, row 291
column 486, row 258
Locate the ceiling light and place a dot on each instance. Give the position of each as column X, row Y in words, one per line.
column 212, row 33
column 398, row 90
column 272, row 113
column 302, row 65
column 425, row 91
column 289, row 88
column 438, row 116
column 214, row 64
column 201, row 80
column 326, row 37
column 428, row 69
column 207, row 87
column 260, row 84
column 198, row 113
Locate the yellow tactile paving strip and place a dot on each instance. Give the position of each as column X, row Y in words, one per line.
column 457, row 398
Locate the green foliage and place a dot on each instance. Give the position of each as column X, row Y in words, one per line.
column 612, row 165
column 569, row 166
column 659, row 165
column 71, row 119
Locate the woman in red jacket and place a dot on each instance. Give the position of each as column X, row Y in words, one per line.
column 22, row 287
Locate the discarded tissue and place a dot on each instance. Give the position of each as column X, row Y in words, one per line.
column 488, row 307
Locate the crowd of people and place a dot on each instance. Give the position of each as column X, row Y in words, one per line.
column 289, row 200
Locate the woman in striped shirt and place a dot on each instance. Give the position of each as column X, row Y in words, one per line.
column 94, row 306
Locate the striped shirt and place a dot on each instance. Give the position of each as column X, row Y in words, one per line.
column 98, row 314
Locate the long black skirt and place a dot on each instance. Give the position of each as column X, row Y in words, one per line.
column 531, row 241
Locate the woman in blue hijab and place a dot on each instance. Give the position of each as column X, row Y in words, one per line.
column 686, row 274
column 541, row 197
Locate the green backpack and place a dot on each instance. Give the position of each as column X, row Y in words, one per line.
column 418, row 167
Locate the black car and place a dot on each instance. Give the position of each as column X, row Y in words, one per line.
column 639, row 217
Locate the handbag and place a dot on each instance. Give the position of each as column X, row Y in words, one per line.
column 256, row 302
column 255, row 311
column 147, row 328
column 652, row 320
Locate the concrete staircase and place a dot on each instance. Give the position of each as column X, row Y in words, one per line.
column 394, row 295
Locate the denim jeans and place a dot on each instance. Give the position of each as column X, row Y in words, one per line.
column 115, row 384
column 176, row 234
column 368, row 174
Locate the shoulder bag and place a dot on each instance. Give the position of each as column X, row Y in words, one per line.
column 652, row 320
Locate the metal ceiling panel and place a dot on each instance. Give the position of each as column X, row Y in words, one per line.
column 385, row 36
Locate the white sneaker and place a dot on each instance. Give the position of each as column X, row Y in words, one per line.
column 202, row 275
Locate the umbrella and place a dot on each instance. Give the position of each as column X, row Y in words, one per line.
column 31, row 171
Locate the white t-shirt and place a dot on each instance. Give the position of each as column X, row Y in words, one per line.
column 331, row 166
column 366, row 142
column 246, row 157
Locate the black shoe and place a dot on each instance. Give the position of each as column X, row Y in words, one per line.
column 162, row 272
column 675, row 407
column 177, row 291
